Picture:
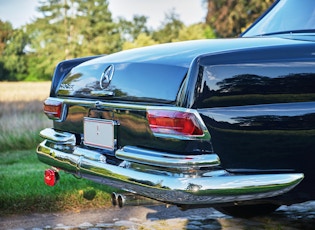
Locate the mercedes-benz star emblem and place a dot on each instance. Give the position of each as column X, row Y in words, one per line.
column 107, row 76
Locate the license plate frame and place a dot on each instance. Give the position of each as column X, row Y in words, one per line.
column 99, row 133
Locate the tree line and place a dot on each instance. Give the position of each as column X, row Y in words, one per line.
column 75, row 28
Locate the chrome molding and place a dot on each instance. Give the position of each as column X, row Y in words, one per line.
column 117, row 105
column 191, row 189
column 162, row 159
column 58, row 137
column 102, row 93
column 141, row 107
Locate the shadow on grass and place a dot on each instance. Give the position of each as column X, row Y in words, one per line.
column 22, row 187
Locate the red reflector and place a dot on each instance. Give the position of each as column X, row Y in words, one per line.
column 174, row 122
column 51, row 177
column 53, row 109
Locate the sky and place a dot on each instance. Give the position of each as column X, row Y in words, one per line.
column 20, row 12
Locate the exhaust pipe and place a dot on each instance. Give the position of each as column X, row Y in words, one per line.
column 121, row 200
column 130, row 199
column 118, row 199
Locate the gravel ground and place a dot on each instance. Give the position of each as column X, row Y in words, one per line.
column 301, row 216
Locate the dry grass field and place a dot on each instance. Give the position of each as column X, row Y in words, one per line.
column 21, row 116
column 23, row 91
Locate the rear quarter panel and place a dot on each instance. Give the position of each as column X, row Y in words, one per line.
column 259, row 107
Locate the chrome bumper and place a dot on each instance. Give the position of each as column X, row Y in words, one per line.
column 189, row 180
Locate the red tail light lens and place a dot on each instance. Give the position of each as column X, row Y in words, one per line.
column 53, row 109
column 174, row 123
column 51, row 177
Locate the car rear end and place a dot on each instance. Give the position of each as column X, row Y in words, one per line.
column 125, row 120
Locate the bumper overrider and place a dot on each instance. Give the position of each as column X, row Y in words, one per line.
column 181, row 180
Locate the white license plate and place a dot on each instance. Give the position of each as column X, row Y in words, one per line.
column 99, row 133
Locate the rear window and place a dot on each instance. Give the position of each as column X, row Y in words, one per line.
column 285, row 17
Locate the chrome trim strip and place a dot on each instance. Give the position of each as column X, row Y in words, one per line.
column 102, row 93
column 162, row 159
column 58, row 137
column 114, row 105
column 176, row 189
column 108, row 105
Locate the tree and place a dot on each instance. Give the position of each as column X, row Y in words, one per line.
column 169, row 31
column 130, row 30
column 14, row 55
column 50, row 40
column 6, row 31
column 193, row 32
column 13, row 63
column 69, row 29
column 99, row 33
column 230, row 17
column 140, row 41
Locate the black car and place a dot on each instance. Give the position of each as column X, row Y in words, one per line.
column 224, row 123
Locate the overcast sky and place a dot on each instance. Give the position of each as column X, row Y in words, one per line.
column 20, row 12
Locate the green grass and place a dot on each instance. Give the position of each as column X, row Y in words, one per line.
column 21, row 132
column 22, row 187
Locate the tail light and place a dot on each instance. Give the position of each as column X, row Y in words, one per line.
column 53, row 109
column 174, row 123
column 51, row 177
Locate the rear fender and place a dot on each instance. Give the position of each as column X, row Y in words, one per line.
column 62, row 69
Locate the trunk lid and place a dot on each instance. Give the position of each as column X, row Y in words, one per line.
column 124, row 82
column 150, row 74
